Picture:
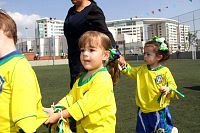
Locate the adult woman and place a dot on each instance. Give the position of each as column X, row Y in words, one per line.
column 84, row 16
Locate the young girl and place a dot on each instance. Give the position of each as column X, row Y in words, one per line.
column 155, row 86
column 91, row 101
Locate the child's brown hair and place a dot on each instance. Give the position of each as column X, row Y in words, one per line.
column 94, row 38
column 8, row 26
column 161, row 47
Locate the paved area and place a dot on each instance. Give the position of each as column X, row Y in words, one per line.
column 48, row 62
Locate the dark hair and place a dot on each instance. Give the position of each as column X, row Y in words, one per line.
column 94, row 38
column 93, row 1
column 8, row 26
column 165, row 53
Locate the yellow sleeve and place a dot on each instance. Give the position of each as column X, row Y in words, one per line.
column 99, row 95
column 165, row 98
column 171, row 82
column 130, row 71
column 70, row 98
column 26, row 98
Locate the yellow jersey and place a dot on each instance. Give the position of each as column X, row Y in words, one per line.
column 149, row 83
column 20, row 98
column 91, row 103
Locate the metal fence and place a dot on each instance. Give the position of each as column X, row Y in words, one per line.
column 192, row 19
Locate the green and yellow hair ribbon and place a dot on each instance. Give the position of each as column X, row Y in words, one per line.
column 161, row 40
column 114, row 54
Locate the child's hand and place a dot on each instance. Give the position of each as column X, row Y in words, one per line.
column 165, row 89
column 50, row 111
column 121, row 61
column 53, row 118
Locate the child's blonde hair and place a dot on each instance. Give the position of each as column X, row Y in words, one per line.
column 94, row 39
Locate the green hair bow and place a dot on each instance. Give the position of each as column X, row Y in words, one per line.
column 163, row 45
column 114, row 54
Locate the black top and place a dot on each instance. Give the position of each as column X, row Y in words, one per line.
column 76, row 23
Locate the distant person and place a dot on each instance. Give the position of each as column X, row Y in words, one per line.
column 84, row 16
column 155, row 87
column 91, row 102
column 177, row 54
column 20, row 98
column 37, row 56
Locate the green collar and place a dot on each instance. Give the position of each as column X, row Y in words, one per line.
column 154, row 69
column 4, row 60
column 82, row 82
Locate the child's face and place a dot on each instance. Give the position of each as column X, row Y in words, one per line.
column 92, row 57
column 150, row 56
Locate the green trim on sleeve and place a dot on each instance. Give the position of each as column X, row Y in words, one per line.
column 67, row 102
column 126, row 68
column 25, row 118
column 80, row 109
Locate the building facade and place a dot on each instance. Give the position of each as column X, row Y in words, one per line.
column 130, row 35
column 48, row 27
column 143, row 29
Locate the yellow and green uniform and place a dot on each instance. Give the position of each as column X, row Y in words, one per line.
column 91, row 103
column 20, row 98
column 148, row 84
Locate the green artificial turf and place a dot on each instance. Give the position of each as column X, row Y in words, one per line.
column 54, row 84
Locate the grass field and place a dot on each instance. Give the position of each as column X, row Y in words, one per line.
column 54, row 84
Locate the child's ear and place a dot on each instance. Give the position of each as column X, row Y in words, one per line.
column 159, row 57
column 106, row 55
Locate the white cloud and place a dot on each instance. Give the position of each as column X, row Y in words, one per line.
column 25, row 24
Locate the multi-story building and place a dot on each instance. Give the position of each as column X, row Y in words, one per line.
column 126, row 33
column 48, row 27
column 183, row 37
column 142, row 29
column 176, row 35
column 50, row 38
column 130, row 35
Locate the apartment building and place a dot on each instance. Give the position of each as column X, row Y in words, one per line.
column 143, row 29
column 176, row 35
column 48, row 27
column 130, row 34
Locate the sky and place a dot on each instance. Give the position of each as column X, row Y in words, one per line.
column 25, row 12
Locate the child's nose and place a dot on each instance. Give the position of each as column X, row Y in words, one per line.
column 85, row 52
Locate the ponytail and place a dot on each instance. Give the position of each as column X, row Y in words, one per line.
column 114, row 71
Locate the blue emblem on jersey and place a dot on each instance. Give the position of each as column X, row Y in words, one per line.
column 1, row 83
column 159, row 79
